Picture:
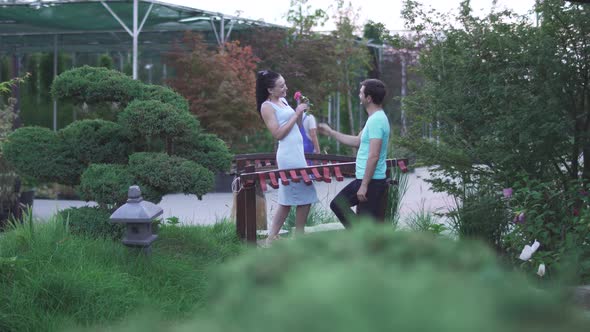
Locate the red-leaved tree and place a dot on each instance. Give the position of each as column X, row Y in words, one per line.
column 306, row 61
column 219, row 84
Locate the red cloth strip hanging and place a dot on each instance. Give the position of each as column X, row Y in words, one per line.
column 402, row 166
column 338, row 174
column 262, row 181
column 273, row 180
column 316, row 174
column 327, row 176
column 294, row 176
column 284, row 179
column 305, row 177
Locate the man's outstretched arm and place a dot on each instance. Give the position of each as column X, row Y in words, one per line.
column 354, row 141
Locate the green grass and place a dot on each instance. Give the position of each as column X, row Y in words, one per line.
column 50, row 279
column 317, row 216
column 395, row 195
column 423, row 220
column 201, row 278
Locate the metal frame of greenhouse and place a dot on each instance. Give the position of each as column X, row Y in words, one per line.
column 139, row 27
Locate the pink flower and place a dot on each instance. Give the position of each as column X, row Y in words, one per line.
column 520, row 218
column 297, row 96
column 507, row 192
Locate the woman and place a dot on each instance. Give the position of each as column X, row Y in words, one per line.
column 281, row 120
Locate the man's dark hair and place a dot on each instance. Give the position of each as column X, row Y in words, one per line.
column 376, row 89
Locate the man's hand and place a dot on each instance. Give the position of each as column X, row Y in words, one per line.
column 350, row 140
column 362, row 193
column 324, row 129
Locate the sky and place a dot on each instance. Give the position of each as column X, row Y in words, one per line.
column 381, row 11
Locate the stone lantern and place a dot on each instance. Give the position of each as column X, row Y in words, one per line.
column 137, row 215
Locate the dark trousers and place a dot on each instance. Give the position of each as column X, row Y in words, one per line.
column 347, row 198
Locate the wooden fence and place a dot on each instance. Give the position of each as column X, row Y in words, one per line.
column 261, row 169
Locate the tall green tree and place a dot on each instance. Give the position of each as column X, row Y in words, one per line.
column 305, row 60
column 352, row 59
column 303, row 18
column 563, row 74
column 376, row 35
column 509, row 103
column 505, row 97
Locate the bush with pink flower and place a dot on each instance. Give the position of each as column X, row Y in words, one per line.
column 558, row 219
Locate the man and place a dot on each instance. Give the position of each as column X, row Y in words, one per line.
column 310, row 140
column 308, row 130
column 370, row 183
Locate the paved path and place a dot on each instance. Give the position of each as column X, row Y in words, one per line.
column 217, row 206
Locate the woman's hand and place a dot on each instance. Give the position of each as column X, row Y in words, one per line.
column 301, row 108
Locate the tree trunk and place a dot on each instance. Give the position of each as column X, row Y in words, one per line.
column 350, row 116
column 403, row 94
column 16, row 91
column 586, row 132
column 349, row 103
column 586, row 170
column 169, row 146
column 575, row 150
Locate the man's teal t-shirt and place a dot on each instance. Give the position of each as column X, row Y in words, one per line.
column 377, row 127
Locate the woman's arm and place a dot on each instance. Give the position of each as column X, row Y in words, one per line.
column 270, row 120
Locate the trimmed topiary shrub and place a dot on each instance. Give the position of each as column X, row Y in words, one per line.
column 95, row 85
column 164, row 95
column 148, row 120
column 207, row 150
column 107, row 184
column 38, row 153
column 170, row 174
column 96, row 142
column 92, row 222
column 155, row 119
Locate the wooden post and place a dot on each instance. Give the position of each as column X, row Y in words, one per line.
column 246, row 208
column 240, row 206
column 241, row 214
column 250, row 202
